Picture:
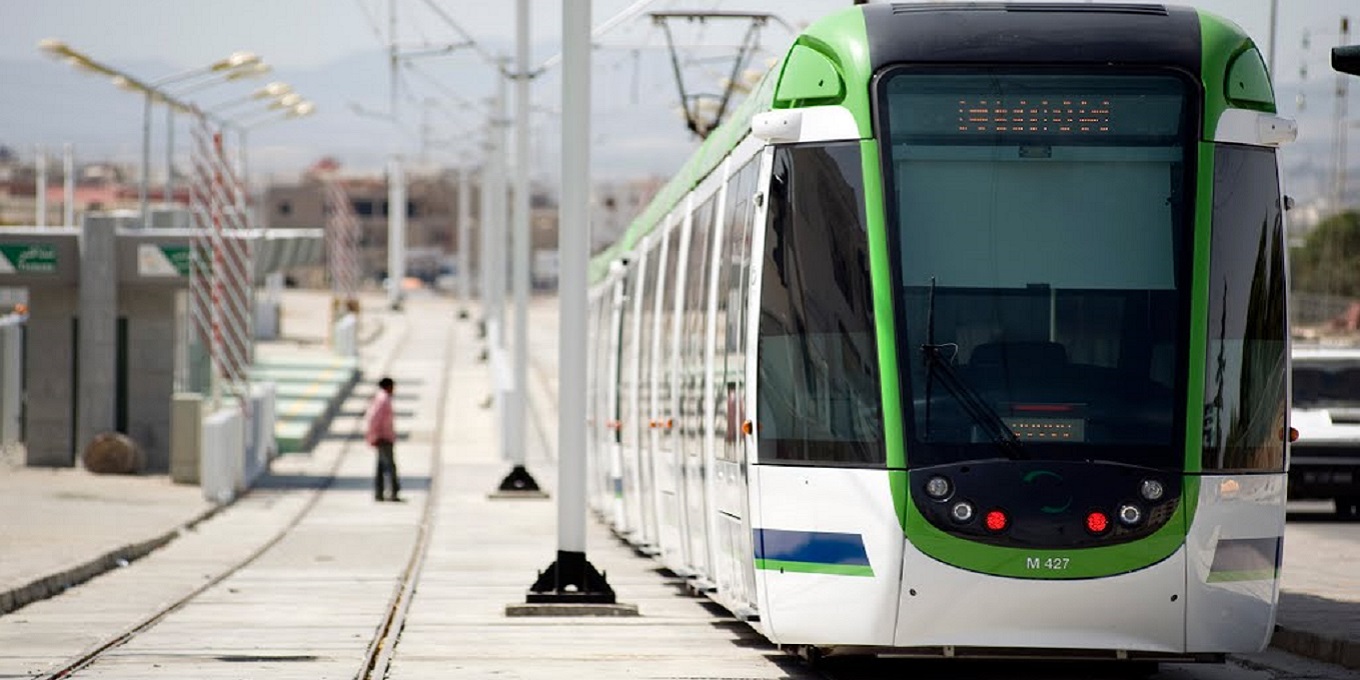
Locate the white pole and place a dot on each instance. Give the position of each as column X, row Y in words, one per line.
column 168, row 193
column 484, row 229
column 1274, row 23
column 572, row 578
column 68, row 193
column 396, row 231
column 40, row 185
column 145, row 181
column 515, row 412
column 464, row 238
column 499, row 262
column 496, row 228
column 573, row 237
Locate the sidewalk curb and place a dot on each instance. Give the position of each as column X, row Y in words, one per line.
column 1345, row 653
column 55, row 584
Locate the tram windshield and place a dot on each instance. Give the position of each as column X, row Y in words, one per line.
column 1039, row 228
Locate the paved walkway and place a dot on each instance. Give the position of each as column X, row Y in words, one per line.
column 483, row 556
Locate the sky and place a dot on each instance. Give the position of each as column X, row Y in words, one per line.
column 338, row 46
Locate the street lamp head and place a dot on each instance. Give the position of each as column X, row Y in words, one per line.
column 258, row 68
column 286, row 101
column 236, row 60
column 54, row 47
column 274, row 89
column 302, row 110
column 124, row 83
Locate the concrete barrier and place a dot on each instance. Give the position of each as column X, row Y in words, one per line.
column 221, row 469
column 345, row 336
column 267, row 314
column 186, row 436
column 11, row 379
column 260, row 445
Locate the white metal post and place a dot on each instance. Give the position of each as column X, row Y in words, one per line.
column 68, row 194
column 520, row 238
column 573, row 237
column 496, row 228
column 40, row 185
column 168, row 193
column 464, row 239
column 396, row 231
column 571, row 579
column 144, row 184
column 484, row 230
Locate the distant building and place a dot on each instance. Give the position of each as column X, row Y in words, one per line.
column 98, row 186
column 615, row 206
column 431, row 219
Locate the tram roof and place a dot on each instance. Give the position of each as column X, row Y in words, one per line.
column 1036, row 33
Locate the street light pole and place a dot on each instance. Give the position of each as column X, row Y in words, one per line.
column 145, row 179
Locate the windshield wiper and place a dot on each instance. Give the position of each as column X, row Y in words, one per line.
column 975, row 406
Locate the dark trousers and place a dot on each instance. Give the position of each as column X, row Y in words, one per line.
column 387, row 471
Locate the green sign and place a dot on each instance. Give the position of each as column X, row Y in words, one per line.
column 28, row 258
column 162, row 260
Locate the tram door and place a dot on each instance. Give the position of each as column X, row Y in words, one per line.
column 824, row 512
column 694, row 332
column 667, row 365
column 612, row 324
column 646, row 410
column 732, row 247
column 631, row 524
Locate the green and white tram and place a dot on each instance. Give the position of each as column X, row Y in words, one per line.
column 967, row 335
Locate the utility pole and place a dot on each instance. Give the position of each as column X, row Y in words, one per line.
column 1339, row 129
column 464, row 240
column 571, row 579
column 68, row 162
column 40, row 185
column 1274, row 25
column 396, row 231
column 519, row 480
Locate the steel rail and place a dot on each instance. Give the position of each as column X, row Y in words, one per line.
column 382, row 648
column 87, row 658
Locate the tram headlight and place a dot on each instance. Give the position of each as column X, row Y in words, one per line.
column 938, row 488
column 1152, row 489
column 1130, row 514
column 962, row 512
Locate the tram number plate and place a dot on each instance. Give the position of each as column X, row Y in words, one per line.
column 1047, row 563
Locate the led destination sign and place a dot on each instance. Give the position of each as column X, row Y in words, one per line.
column 1044, row 116
column 953, row 108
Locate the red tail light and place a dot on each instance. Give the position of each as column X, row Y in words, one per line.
column 996, row 521
column 1097, row 522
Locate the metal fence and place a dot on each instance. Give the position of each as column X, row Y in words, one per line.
column 221, row 280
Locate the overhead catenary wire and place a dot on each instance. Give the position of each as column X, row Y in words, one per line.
column 472, row 43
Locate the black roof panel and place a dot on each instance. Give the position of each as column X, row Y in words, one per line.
column 1033, row 33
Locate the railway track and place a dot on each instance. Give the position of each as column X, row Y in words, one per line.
column 378, row 653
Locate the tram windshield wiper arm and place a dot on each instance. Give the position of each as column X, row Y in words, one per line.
column 975, row 406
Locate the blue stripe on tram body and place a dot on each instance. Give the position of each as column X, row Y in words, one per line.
column 817, row 552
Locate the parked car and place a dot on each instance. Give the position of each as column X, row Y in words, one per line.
column 1325, row 460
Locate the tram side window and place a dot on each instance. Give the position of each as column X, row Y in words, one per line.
column 729, row 361
column 819, row 398
column 1245, row 370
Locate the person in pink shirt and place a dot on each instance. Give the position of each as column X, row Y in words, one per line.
column 381, row 434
